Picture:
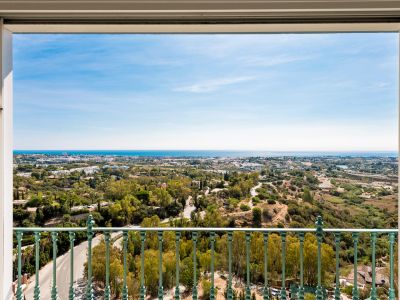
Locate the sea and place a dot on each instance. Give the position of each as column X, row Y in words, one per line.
column 210, row 153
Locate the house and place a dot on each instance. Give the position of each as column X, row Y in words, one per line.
column 364, row 276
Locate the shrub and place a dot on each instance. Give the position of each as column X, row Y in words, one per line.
column 233, row 203
column 206, row 285
column 266, row 215
column 348, row 290
column 244, row 207
column 309, row 296
column 257, row 217
column 256, row 200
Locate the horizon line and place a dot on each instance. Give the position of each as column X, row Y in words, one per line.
column 232, row 150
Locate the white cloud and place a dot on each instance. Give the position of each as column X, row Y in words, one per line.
column 379, row 85
column 274, row 60
column 212, row 85
column 266, row 92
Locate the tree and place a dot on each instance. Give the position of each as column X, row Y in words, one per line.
column 267, row 216
column 235, row 192
column 187, row 272
column 35, row 201
column 307, row 197
column 257, row 219
column 117, row 190
column 162, row 197
column 143, row 196
column 122, row 211
column 213, row 218
column 116, row 267
column 238, row 253
column 292, row 256
column 205, row 261
column 310, row 262
column 39, row 216
column 150, row 271
column 116, row 275
column 179, row 188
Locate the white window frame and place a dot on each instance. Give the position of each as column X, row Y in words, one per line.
column 21, row 10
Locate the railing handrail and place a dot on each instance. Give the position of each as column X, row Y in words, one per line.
column 318, row 230
column 204, row 229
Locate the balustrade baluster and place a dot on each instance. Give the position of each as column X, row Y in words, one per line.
column 392, row 292
column 373, row 295
column 230, row 290
column 177, row 261
column 36, row 292
column 283, row 289
column 142, row 287
column 107, row 291
column 248, row 290
column 301, row 288
column 194, row 290
column 266, row 288
column 319, row 234
column 355, row 282
column 19, row 293
column 160, row 271
column 125, row 254
column 71, row 265
column 54, row 292
column 212, row 290
column 320, row 292
column 337, row 284
column 89, row 287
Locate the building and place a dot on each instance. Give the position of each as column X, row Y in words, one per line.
column 364, row 276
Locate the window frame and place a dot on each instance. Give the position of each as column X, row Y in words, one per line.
column 62, row 17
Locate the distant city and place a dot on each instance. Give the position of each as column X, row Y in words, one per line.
column 210, row 153
column 202, row 189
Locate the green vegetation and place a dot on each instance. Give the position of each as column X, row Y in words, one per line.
column 204, row 258
column 203, row 192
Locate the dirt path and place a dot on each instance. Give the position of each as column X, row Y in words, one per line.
column 253, row 193
column 280, row 216
column 221, row 285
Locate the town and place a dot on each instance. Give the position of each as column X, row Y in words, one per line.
column 281, row 192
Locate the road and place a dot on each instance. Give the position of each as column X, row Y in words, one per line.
column 253, row 190
column 116, row 238
column 253, row 193
column 187, row 211
column 189, row 208
column 80, row 254
column 63, row 273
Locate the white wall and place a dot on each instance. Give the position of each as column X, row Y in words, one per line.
column 6, row 163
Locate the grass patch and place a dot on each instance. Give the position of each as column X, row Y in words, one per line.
column 334, row 199
column 345, row 271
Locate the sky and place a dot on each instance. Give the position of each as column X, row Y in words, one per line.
column 273, row 92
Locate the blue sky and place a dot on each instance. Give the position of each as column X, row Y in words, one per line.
column 316, row 92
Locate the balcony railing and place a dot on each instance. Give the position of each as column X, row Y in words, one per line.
column 195, row 233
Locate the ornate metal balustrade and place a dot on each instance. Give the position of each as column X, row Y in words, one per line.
column 319, row 231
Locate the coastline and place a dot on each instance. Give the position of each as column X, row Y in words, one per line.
column 207, row 153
